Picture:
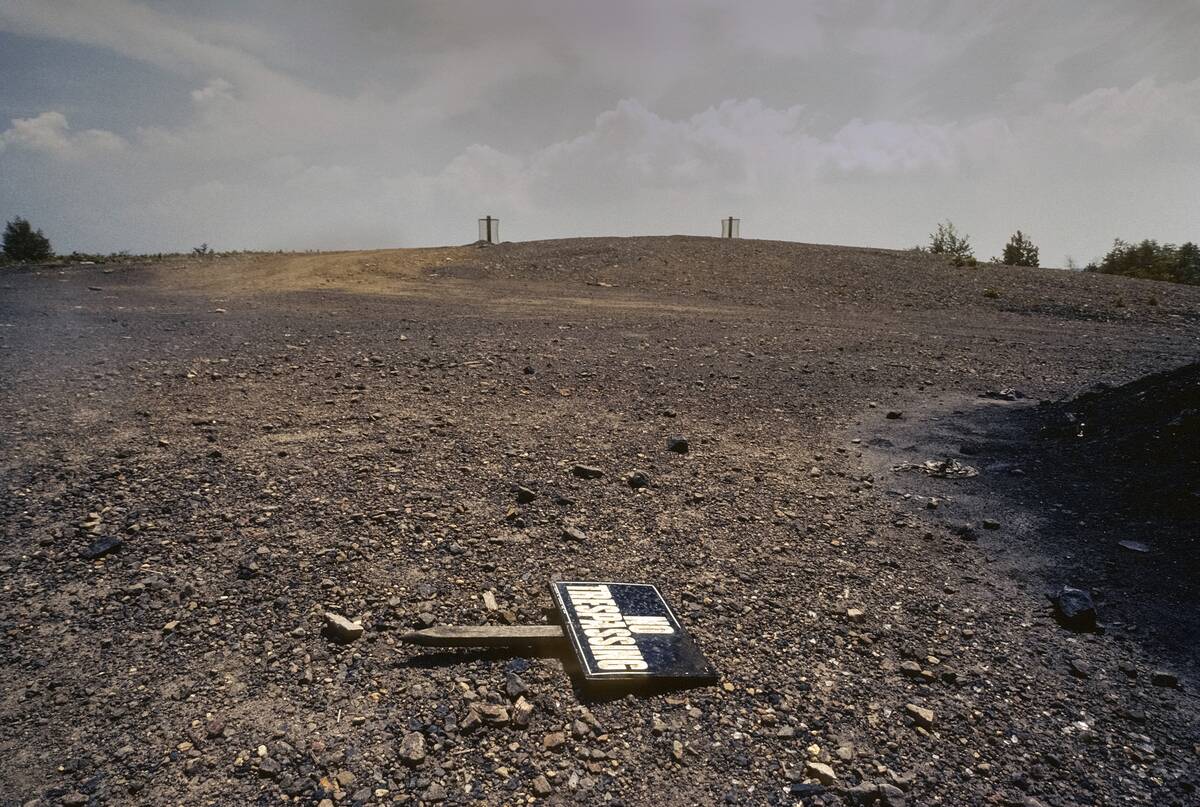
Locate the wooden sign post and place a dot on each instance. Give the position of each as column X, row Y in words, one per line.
column 620, row 633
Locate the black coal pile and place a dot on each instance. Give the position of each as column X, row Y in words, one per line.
column 1143, row 438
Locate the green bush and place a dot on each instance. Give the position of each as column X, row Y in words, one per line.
column 946, row 240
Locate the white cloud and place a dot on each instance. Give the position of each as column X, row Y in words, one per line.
column 217, row 90
column 49, row 133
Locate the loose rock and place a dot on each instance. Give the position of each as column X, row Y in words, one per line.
column 340, row 629
column 101, row 547
column 1074, row 609
column 637, row 479
column 821, row 772
column 921, row 716
column 411, row 750
column 541, row 786
column 574, row 534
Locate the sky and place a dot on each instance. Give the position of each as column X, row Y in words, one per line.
column 288, row 124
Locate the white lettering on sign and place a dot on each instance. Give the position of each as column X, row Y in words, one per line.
column 610, row 634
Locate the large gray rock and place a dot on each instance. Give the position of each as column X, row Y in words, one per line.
column 1074, row 609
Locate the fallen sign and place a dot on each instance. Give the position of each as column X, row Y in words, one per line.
column 620, row 633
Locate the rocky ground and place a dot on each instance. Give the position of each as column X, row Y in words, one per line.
column 200, row 458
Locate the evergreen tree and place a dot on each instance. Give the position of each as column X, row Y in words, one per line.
column 1020, row 251
column 22, row 243
column 1152, row 261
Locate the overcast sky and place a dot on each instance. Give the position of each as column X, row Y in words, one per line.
column 373, row 123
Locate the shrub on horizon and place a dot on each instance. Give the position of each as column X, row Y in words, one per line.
column 1020, row 251
column 24, row 244
column 946, row 240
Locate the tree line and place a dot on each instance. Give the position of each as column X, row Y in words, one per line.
column 1152, row 261
column 1148, row 259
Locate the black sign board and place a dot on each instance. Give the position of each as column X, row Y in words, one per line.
column 625, row 632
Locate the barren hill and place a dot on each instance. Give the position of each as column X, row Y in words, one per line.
column 200, row 457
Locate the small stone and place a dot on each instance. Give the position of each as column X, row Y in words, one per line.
column 412, row 748
column 855, row 614
column 903, row 780
column 891, row 796
column 102, row 546
column 554, row 741
column 911, row 669
column 658, row 726
column 991, row 524
column 170, row 626
column 489, row 601
column 921, row 716
column 637, row 479
column 74, row 799
column 678, row 444
column 574, row 534
column 586, row 472
column 894, row 414
column 525, row 495
column 268, row 767
column 1079, row 668
column 1162, row 678
column 865, row 794
column 471, row 722
column 821, row 772
column 677, row 750
column 493, row 713
column 514, row 686
column 340, row 629
column 965, row 531
column 214, row 728
column 435, row 792
column 541, row 786
column 522, row 712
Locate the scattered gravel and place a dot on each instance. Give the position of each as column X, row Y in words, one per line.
column 329, row 447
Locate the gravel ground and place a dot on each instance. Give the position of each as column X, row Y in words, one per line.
column 200, row 458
